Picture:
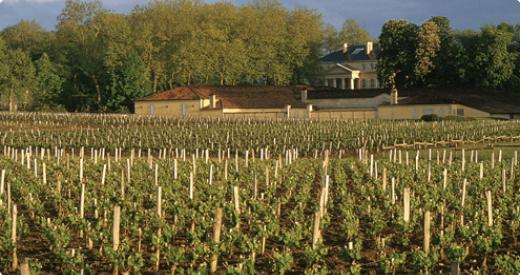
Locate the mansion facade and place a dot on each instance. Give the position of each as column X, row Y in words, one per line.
column 351, row 68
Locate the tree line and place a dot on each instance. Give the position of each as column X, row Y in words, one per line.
column 100, row 61
column 435, row 55
column 97, row 60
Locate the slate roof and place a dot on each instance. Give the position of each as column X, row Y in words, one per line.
column 354, row 53
column 261, row 97
column 493, row 102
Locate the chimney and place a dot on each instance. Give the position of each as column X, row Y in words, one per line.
column 345, row 47
column 304, row 95
column 309, row 111
column 370, row 47
column 213, row 101
column 394, row 96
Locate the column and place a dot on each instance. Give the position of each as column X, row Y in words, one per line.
column 334, row 83
column 326, row 82
column 352, row 84
column 343, row 83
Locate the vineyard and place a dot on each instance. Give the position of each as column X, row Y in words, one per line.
column 90, row 194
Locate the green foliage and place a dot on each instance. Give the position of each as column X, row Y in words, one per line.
column 398, row 53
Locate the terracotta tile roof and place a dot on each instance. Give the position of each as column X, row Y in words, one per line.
column 235, row 97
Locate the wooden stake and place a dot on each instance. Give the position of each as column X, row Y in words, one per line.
column 217, row 226
column 406, row 202
column 489, row 208
column 316, row 234
column 14, row 263
column 426, row 240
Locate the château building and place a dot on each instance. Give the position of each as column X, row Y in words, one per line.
column 353, row 67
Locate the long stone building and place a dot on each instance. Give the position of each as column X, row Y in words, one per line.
column 327, row 103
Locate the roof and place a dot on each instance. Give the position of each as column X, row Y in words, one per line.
column 493, row 102
column 257, row 97
column 354, row 53
column 328, row 93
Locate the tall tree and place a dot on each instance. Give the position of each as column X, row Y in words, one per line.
column 20, row 81
column 353, row 34
column 428, row 46
column 331, row 41
column 448, row 64
column 49, row 84
column 397, row 55
column 493, row 63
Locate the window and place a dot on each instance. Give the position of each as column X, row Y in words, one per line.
column 364, row 67
column 364, row 83
column 372, row 83
column 151, row 109
column 184, row 110
column 460, row 112
column 373, row 66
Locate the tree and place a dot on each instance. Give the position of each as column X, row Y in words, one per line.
column 493, row 63
column 19, row 82
column 49, row 84
column 397, row 55
column 129, row 81
column 353, row 34
column 448, row 64
column 428, row 46
column 28, row 36
column 331, row 40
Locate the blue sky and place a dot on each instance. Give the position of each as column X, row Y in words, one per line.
column 371, row 14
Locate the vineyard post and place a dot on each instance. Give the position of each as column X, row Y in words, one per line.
column 225, row 169
column 104, row 175
column 481, row 174
column 82, row 201
column 216, row 238
column 316, row 234
column 156, row 174
column 504, row 181
column 463, row 166
column 406, row 201
column 384, row 179
column 426, row 240
column 236, row 200
column 14, row 263
column 175, row 169
column 80, row 170
column 128, row 171
column 44, row 173
column 115, row 233
column 159, row 233
column 24, row 268
column 445, row 179
column 464, row 183
column 210, row 180
column 2, row 182
column 489, row 208
column 393, row 190
column 191, row 187
column 122, row 184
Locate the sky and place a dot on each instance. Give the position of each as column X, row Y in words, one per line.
column 371, row 14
